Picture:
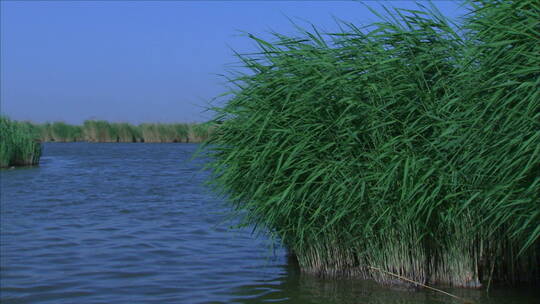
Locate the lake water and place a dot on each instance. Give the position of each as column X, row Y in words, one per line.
column 133, row 223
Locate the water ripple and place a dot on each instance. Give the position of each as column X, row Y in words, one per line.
column 95, row 223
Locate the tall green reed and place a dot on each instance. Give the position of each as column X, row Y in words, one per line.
column 199, row 132
column 126, row 133
column 411, row 145
column 18, row 145
column 156, row 132
column 99, row 131
column 62, row 132
column 104, row 131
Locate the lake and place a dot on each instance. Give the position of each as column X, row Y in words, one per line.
column 134, row 223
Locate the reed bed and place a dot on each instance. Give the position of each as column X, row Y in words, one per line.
column 199, row 132
column 411, row 146
column 60, row 132
column 18, row 145
column 165, row 132
column 104, row 131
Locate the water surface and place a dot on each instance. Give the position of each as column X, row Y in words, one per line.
column 133, row 223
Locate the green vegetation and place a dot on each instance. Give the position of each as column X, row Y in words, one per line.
column 61, row 132
column 199, row 132
column 409, row 146
column 99, row 131
column 18, row 144
column 165, row 132
column 124, row 132
column 103, row 131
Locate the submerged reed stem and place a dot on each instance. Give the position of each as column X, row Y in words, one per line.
column 465, row 301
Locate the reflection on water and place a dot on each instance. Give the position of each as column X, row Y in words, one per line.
column 132, row 223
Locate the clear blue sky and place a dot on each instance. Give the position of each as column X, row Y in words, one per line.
column 142, row 61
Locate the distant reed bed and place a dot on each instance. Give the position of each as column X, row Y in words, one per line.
column 104, row 131
column 18, row 144
column 411, row 146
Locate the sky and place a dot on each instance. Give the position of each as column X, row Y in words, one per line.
column 144, row 61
